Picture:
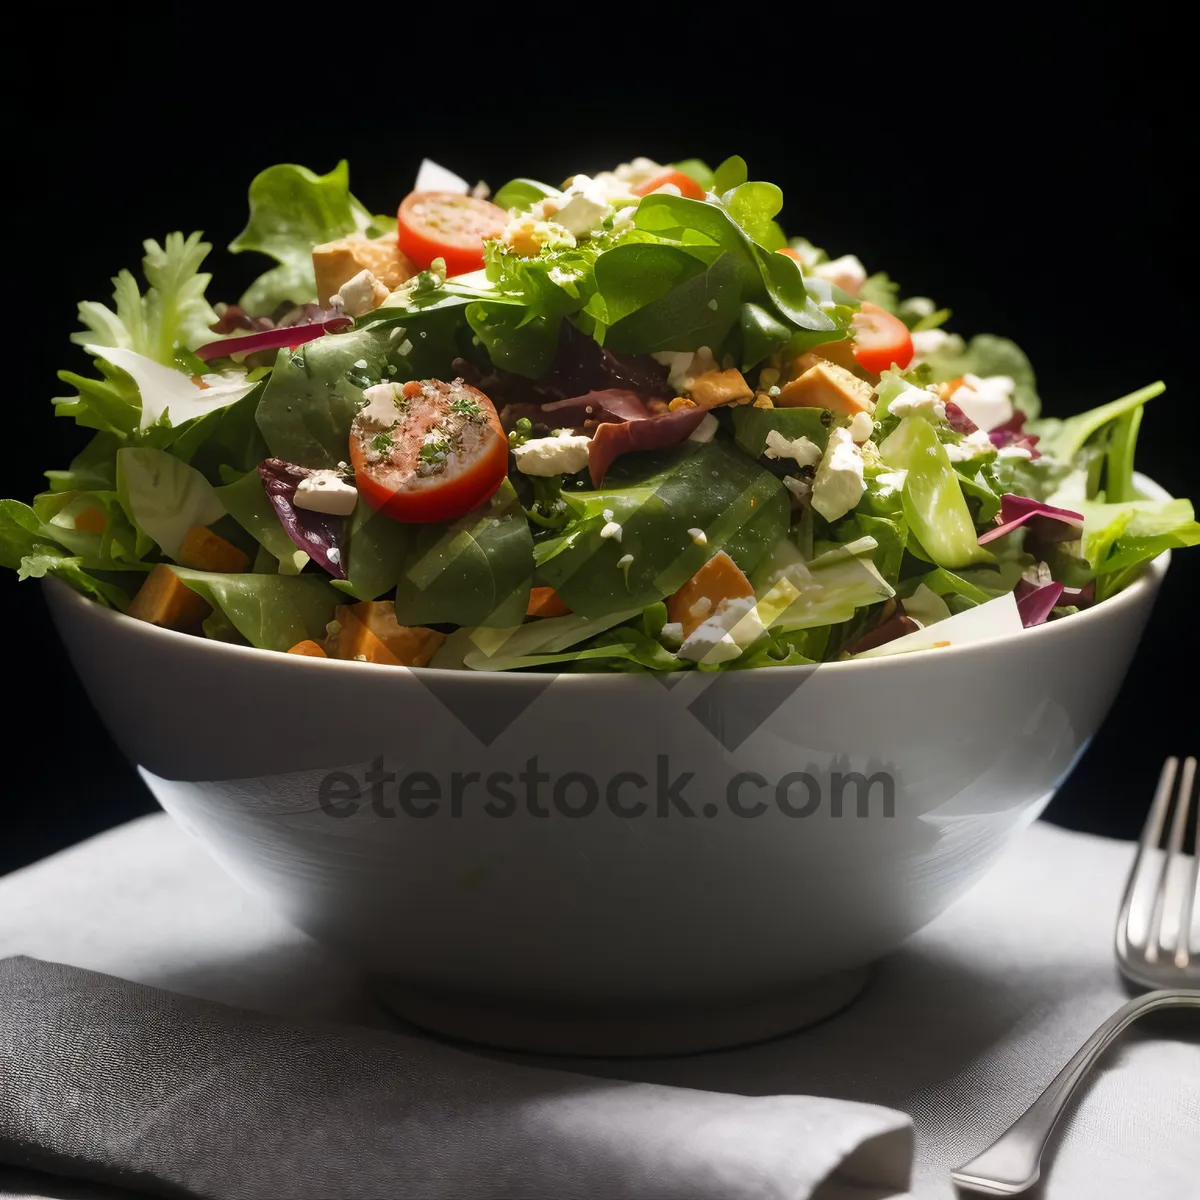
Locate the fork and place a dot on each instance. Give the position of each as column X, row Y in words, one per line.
column 1012, row 1163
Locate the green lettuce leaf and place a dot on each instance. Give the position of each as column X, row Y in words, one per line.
column 933, row 500
column 291, row 211
column 163, row 497
column 272, row 612
column 826, row 590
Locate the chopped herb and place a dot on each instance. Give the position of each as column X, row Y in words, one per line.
column 383, row 442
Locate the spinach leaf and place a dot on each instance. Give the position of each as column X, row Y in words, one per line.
column 656, row 499
column 476, row 570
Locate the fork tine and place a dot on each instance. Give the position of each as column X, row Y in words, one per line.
column 1173, row 849
column 1188, row 900
column 1151, row 834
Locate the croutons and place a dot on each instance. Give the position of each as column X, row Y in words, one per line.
column 335, row 263
column 545, row 602
column 309, row 649
column 718, row 580
column 165, row 600
column 714, row 388
column 826, row 385
column 370, row 632
column 203, row 550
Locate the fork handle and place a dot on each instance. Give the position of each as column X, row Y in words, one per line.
column 1012, row 1162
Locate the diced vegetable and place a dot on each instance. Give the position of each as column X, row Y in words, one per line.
column 309, row 649
column 208, row 551
column 720, row 579
column 545, row 602
column 369, row 631
column 165, row 600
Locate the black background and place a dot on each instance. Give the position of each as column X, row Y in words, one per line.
column 1026, row 170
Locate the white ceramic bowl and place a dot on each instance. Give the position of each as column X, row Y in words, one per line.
column 606, row 932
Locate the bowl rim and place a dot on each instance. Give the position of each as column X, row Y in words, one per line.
column 1148, row 581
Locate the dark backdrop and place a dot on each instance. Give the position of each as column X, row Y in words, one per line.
column 1031, row 176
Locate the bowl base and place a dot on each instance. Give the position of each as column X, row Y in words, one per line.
column 616, row 1031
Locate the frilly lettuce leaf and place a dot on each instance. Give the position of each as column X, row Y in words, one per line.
column 172, row 314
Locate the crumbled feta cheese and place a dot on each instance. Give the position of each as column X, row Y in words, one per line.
column 698, row 536
column 1014, row 452
column 839, row 484
column 381, row 407
column 623, row 219
column 846, row 272
column 671, row 633
column 359, row 295
column 607, row 514
column 928, row 342
column 611, row 530
column 563, row 454
column 861, row 427
column 725, row 635
column 800, row 489
column 705, row 431
column 432, row 177
column 891, row 479
column 973, row 445
column 326, row 492
column 919, row 401
column 701, row 608
column 987, row 401
column 582, row 207
column 334, row 555
column 921, row 306
column 684, row 365
column 802, row 450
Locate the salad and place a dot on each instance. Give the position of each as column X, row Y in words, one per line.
column 621, row 424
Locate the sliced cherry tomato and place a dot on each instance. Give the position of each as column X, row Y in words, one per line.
column 791, row 253
column 685, row 183
column 432, row 453
column 447, row 225
column 880, row 340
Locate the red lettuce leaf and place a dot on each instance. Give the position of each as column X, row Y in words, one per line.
column 611, row 439
column 288, row 336
column 319, row 535
column 1046, row 523
column 1036, row 601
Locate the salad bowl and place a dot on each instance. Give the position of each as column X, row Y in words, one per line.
column 606, row 864
column 609, row 621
